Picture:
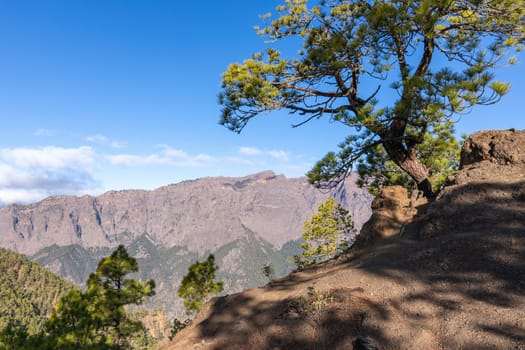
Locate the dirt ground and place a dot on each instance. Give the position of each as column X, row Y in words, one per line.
column 455, row 279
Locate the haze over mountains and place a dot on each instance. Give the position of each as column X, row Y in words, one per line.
column 246, row 222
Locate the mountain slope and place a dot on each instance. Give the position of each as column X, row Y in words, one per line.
column 240, row 265
column 247, row 222
column 28, row 292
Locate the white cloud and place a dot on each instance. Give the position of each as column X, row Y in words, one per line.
column 280, row 155
column 118, row 144
column 104, row 140
column 49, row 157
column 173, row 153
column 254, row 151
column 203, row 158
column 97, row 139
column 250, row 151
column 133, row 160
column 21, row 196
column 29, row 174
column 43, row 133
column 167, row 156
column 239, row 160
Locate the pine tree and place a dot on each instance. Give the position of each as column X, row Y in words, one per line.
column 199, row 284
column 96, row 318
column 268, row 271
column 439, row 153
column 326, row 234
column 109, row 291
column 71, row 324
column 394, row 71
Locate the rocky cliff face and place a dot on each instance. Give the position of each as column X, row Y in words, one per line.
column 246, row 222
column 201, row 214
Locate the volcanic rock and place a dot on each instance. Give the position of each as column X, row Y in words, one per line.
column 391, row 211
column 489, row 188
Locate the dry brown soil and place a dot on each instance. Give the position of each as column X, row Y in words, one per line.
column 455, row 279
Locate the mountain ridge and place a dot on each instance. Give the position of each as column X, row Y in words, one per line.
column 165, row 214
column 246, row 221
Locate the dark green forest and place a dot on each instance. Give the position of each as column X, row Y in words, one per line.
column 39, row 310
column 28, row 292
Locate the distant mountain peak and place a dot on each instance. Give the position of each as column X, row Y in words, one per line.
column 199, row 214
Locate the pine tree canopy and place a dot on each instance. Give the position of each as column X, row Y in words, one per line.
column 199, row 284
column 327, row 233
column 97, row 317
column 436, row 57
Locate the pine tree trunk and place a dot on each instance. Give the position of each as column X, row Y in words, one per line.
column 419, row 172
column 408, row 161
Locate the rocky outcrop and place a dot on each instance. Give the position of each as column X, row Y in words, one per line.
column 502, row 147
column 391, row 212
column 489, row 188
column 200, row 214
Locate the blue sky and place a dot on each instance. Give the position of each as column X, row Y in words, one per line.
column 104, row 95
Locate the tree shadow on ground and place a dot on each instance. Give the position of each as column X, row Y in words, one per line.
column 465, row 286
column 292, row 323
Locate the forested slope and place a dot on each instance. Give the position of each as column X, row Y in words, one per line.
column 28, row 292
